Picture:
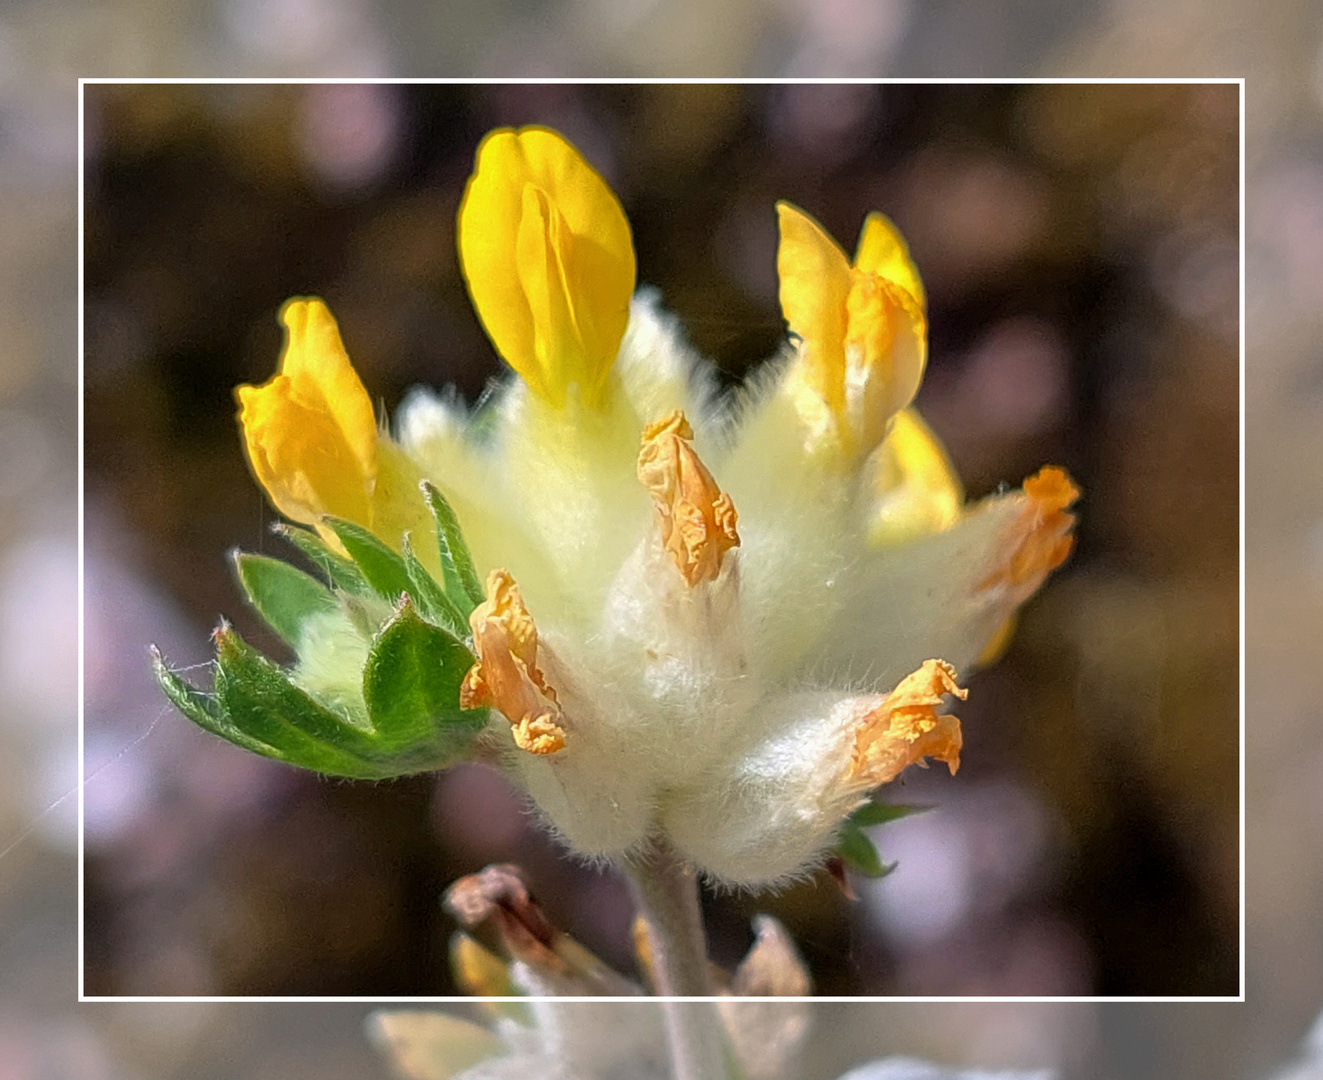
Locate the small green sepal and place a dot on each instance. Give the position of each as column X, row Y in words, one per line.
column 876, row 813
column 339, row 571
column 460, row 577
column 853, row 844
column 282, row 594
column 857, row 851
column 383, row 569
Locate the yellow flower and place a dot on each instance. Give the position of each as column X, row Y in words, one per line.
column 861, row 329
column 547, row 253
column 310, row 433
column 313, row 444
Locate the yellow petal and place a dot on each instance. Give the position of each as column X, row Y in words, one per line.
column 905, row 728
column 883, row 251
column 506, row 676
column 548, row 257
column 310, row 433
column 862, row 331
column 917, row 490
column 697, row 518
column 815, row 282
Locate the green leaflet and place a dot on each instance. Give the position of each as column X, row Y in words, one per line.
column 379, row 565
column 876, row 813
column 203, row 709
column 257, row 697
column 853, row 845
column 339, row 571
column 282, row 594
column 411, row 685
column 460, row 578
column 432, row 600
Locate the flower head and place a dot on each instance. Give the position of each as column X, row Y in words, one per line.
column 721, row 632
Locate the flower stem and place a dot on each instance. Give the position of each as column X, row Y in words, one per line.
column 665, row 891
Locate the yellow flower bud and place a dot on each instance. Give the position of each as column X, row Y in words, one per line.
column 313, row 443
column 862, row 331
column 310, row 433
column 547, row 253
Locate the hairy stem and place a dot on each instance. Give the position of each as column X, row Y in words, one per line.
column 665, row 891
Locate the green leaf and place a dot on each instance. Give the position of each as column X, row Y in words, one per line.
column 339, row 571
column 411, row 684
column 258, row 699
column 383, row 569
column 855, row 848
column 202, row 708
column 282, row 594
column 875, row 813
column 461, row 579
column 432, row 600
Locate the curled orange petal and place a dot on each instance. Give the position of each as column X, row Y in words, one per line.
column 905, row 728
column 697, row 518
column 506, row 676
column 1044, row 531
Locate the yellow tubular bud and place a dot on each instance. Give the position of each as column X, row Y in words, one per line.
column 548, row 257
column 506, row 676
column 905, row 728
column 310, row 433
column 917, row 491
column 862, row 330
column 697, row 518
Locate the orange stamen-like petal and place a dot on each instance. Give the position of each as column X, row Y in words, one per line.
column 506, row 676
column 1044, row 530
column 905, row 727
column 697, row 518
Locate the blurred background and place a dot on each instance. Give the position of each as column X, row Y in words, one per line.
column 45, row 47
column 1079, row 247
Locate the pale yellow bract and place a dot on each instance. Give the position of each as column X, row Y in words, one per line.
column 547, row 253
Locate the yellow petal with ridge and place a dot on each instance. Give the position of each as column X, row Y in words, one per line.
column 815, row 283
column 548, row 256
